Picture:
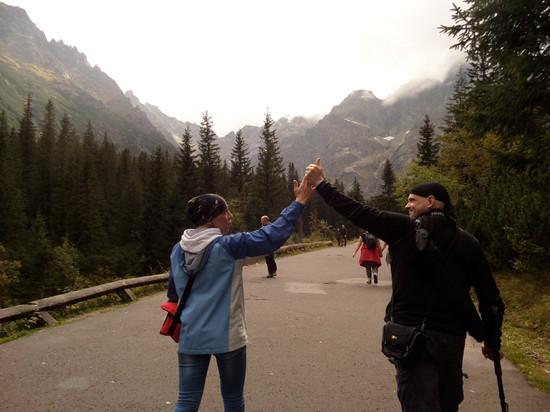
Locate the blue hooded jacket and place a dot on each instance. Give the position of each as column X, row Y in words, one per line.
column 213, row 319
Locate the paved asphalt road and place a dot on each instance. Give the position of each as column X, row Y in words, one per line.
column 314, row 346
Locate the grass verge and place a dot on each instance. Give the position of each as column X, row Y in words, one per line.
column 526, row 329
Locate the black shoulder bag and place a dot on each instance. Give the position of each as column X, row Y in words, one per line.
column 401, row 342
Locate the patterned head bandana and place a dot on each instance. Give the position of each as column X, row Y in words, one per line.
column 202, row 209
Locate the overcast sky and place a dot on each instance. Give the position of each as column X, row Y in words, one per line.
column 236, row 58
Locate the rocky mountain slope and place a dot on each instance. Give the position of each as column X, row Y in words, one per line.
column 29, row 63
column 360, row 133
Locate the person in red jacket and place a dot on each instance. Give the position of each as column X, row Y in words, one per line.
column 371, row 252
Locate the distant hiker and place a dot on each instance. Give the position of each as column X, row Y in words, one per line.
column 435, row 264
column 270, row 258
column 213, row 321
column 371, row 252
column 338, row 236
column 344, row 235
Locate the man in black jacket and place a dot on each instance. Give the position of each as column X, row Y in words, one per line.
column 431, row 279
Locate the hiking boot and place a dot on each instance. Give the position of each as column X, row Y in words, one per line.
column 375, row 279
column 369, row 281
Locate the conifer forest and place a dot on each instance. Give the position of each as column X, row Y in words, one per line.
column 77, row 211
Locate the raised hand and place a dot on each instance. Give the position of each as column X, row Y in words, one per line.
column 314, row 173
column 303, row 191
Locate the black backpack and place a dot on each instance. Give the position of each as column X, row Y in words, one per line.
column 370, row 240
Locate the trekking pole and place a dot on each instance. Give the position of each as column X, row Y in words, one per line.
column 498, row 373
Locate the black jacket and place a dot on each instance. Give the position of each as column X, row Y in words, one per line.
column 443, row 278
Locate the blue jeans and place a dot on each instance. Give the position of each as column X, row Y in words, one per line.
column 193, row 369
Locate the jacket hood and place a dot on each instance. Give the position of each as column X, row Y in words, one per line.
column 195, row 240
column 194, row 243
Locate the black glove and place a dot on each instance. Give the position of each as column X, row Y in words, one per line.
column 492, row 316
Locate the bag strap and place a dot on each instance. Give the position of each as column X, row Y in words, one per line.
column 188, row 286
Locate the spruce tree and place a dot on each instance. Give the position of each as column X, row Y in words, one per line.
column 209, row 163
column 12, row 216
column 355, row 192
column 270, row 185
column 128, row 213
column 186, row 167
column 224, row 180
column 507, row 51
column 27, row 156
column 90, row 201
column 107, row 160
column 156, row 231
column 386, row 199
column 388, row 179
column 428, row 149
column 457, row 107
column 64, row 179
column 241, row 168
column 292, row 175
column 45, row 164
column 339, row 185
column 186, row 178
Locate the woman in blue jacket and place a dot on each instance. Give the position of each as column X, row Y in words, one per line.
column 213, row 320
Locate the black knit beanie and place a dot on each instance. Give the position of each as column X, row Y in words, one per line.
column 436, row 190
column 201, row 209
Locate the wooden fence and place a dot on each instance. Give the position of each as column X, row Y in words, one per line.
column 122, row 287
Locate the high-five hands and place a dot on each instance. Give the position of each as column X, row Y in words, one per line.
column 303, row 191
column 314, row 173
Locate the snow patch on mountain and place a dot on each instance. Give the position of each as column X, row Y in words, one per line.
column 358, row 123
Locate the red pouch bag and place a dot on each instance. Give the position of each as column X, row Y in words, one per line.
column 172, row 323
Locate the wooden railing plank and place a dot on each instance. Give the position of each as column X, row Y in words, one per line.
column 69, row 298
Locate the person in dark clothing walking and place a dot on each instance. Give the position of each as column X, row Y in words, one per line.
column 269, row 259
column 344, row 235
column 430, row 287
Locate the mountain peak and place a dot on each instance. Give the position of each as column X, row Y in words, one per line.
column 133, row 98
column 363, row 94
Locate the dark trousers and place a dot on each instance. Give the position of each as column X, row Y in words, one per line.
column 371, row 269
column 271, row 265
column 433, row 383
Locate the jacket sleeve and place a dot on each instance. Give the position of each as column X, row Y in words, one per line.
column 265, row 240
column 388, row 226
column 491, row 305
